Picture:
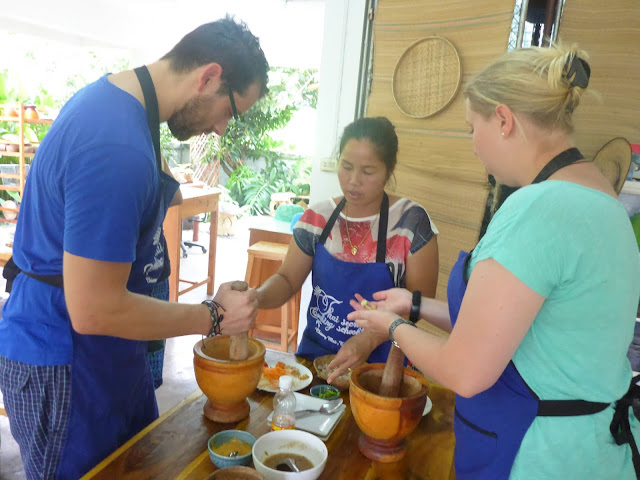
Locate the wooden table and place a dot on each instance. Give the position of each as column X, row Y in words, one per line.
column 174, row 447
column 195, row 199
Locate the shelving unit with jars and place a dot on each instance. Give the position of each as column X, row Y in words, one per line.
column 17, row 146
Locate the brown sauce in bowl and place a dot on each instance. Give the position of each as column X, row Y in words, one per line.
column 274, row 461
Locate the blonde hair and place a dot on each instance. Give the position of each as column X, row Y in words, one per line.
column 532, row 81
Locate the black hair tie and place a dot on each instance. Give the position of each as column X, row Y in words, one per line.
column 577, row 71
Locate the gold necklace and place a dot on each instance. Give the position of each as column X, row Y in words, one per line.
column 354, row 249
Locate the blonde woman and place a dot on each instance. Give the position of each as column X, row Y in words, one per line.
column 542, row 311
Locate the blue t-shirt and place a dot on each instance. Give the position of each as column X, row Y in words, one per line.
column 92, row 190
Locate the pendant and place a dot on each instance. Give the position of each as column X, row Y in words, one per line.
column 354, row 250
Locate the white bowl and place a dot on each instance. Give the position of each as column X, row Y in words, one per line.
column 290, row 441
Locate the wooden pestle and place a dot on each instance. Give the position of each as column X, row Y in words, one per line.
column 393, row 373
column 239, row 346
column 393, row 369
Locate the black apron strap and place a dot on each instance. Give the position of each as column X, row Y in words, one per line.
column 151, row 106
column 561, row 160
column 620, row 427
column 332, row 220
column 153, row 121
column 569, row 408
column 381, row 254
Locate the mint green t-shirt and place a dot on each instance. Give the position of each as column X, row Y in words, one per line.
column 575, row 247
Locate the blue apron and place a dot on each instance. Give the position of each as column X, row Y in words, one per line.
column 490, row 426
column 334, row 283
column 112, row 392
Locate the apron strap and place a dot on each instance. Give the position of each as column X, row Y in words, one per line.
column 620, row 427
column 332, row 220
column 151, row 103
column 564, row 159
column 569, row 408
column 381, row 253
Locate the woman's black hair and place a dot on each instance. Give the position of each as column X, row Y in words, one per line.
column 380, row 132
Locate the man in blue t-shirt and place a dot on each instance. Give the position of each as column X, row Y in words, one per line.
column 73, row 368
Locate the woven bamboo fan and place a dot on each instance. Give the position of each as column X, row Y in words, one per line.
column 427, row 77
column 614, row 160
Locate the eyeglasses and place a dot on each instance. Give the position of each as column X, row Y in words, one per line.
column 233, row 102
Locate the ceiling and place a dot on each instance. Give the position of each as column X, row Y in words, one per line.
column 290, row 31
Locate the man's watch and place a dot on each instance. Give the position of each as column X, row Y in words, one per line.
column 394, row 325
column 414, row 315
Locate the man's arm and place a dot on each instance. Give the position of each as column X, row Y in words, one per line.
column 100, row 304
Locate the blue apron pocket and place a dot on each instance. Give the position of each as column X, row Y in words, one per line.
column 475, row 446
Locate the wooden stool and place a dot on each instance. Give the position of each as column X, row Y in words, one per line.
column 288, row 328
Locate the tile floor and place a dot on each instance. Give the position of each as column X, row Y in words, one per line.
column 179, row 380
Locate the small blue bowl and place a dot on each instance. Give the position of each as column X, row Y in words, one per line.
column 325, row 392
column 225, row 436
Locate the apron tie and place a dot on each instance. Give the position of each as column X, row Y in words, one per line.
column 620, row 427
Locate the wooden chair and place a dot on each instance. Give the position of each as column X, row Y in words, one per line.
column 276, row 337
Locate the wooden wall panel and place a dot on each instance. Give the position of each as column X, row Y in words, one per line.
column 610, row 33
column 436, row 164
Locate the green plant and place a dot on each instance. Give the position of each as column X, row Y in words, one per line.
column 249, row 137
column 254, row 189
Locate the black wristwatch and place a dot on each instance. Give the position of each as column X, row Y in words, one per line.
column 414, row 315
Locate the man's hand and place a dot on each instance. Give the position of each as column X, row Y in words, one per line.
column 240, row 309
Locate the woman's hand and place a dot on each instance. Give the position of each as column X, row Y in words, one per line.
column 397, row 300
column 376, row 322
column 354, row 352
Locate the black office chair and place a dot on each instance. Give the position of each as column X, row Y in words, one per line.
column 187, row 224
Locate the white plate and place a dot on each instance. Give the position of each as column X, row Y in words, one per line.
column 298, row 384
column 428, row 406
column 320, row 424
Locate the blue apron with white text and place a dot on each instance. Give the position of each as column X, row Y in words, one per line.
column 334, row 283
column 490, row 426
column 113, row 397
column 112, row 392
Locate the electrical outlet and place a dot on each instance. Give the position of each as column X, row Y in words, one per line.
column 328, row 165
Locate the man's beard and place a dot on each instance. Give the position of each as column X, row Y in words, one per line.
column 189, row 120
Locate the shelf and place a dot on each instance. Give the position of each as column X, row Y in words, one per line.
column 631, row 187
column 14, row 176
column 14, row 154
column 41, row 121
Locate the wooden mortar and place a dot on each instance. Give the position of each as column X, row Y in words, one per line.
column 384, row 421
column 227, row 383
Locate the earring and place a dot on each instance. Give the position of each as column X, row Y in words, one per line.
column 502, row 133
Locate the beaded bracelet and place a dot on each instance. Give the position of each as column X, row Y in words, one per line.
column 216, row 317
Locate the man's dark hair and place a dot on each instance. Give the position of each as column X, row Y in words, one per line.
column 231, row 45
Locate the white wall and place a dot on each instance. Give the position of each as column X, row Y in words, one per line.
column 339, row 68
